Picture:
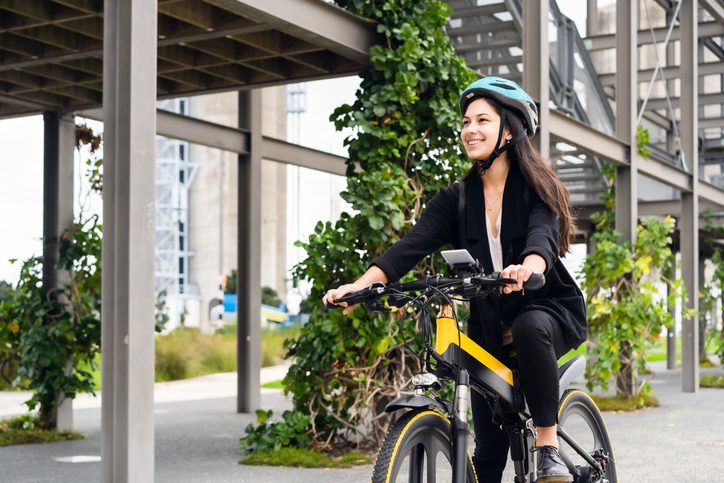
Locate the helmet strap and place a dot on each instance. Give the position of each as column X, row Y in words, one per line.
column 484, row 165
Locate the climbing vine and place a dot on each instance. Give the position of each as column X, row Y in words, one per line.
column 402, row 150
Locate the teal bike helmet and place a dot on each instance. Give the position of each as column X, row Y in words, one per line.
column 511, row 97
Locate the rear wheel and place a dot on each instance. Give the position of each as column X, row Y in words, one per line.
column 579, row 416
column 418, row 449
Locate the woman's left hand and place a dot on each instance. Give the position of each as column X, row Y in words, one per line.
column 521, row 273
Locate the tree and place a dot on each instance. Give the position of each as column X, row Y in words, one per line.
column 53, row 338
column 403, row 148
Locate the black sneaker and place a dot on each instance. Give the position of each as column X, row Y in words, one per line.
column 551, row 468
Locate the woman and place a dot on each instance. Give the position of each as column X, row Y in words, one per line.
column 513, row 214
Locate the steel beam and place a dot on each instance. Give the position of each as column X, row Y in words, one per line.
column 536, row 64
column 709, row 122
column 129, row 99
column 660, row 103
column 670, row 72
column 316, row 22
column 288, row 153
column 689, row 221
column 626, row 110
column 608, row 41
column 666, row 173
column 248, row 398
column 218, row 136
column 58, row 151
column 587, row 139
column 715, row 8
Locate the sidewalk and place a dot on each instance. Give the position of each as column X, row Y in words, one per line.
column 197, row 433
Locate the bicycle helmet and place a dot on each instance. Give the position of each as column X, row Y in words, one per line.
column 510, row 96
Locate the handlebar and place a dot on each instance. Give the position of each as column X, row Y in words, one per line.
column 482, row 282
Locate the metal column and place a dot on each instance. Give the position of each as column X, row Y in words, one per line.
column 58, row 151
column 248, row 397
column 536, row 78
column 689, row 222
column 129, row 116
column 626, row 110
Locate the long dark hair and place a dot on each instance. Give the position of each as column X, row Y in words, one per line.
column 547, row 186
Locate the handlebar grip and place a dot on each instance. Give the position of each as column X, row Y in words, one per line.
column 351, row 298
column 535, row 281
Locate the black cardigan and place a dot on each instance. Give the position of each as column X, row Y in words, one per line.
column 528, row 226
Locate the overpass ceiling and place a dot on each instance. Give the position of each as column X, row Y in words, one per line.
column 51, row 51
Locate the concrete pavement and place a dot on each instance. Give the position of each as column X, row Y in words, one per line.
column 197, row 433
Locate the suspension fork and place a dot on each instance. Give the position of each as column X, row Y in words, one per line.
column 460, row 428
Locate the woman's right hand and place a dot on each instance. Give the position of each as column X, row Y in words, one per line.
column 341, row 291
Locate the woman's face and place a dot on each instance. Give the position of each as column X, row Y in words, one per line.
column 480, row 129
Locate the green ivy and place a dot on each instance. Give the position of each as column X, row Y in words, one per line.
column 403, row 148
column 643, row 138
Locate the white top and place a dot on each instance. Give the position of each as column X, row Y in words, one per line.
column 496, row 255
column 496, row 249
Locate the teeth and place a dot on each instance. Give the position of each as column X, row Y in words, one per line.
column 475, row 141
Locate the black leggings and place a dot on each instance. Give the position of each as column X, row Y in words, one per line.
column 538, row 342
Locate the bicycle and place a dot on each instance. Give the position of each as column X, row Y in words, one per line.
column 435, row 426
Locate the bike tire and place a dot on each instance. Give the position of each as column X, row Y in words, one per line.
column 579, row 416
column 425, row 432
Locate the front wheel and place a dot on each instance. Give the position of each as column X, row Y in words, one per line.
column 417, row 449
column 579, row 416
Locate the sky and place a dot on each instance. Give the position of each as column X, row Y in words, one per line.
column 21, row 165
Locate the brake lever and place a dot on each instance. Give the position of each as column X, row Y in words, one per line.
column 376, row 306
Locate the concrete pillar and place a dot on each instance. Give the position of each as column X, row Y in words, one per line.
column 536, row 77
column 129, row 117
column 591, row 18
column 626, row 110
column 689, row 222
column 249, row 257
column 58, row 151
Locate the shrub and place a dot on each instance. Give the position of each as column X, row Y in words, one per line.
column 268, row 434
column 26, row 430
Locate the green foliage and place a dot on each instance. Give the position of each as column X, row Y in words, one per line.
column 625, row 404
column 712, row 380
column 51, row 337
column 643, row 137
column 625, row 310
column 161, row 316
column 709, row 294
column 273, row 344
column 5, row 287
column 292, row 431
column 230, row 287
column 27, row 430
column 269, row 296
column 403, row 148
column 305, row 458
column 187, row 352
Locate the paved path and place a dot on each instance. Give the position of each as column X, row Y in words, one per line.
column 197, row 433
